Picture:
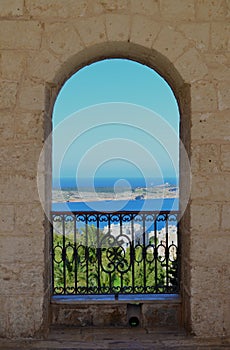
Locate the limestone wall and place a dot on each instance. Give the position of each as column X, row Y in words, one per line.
column 42, row 43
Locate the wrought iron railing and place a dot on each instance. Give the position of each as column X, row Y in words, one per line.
column 115, row 253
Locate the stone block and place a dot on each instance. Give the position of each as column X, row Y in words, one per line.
column 161, row 316
column 195, row 158
column 118, row 27
column 7, row 218
column 224, row 95
column 146, row 7
column 198, row 34
column 209, row 158
column 106, row 315
column 63, row 40
column 55, row 8
column 143, row 30
column 209, row 251
column 20, row 35
column 207, row 315
column 6, row 127
column 19, row 188
column 170, row 43
column 7, row 159
column 26, row 219
column 220, row 36
column 29, row 127
column 211, row 188
column 18, row 279
column 22, row 250
column 24, row 316
column 92, row 30
column 43, row 65
column 205, row 218
column 225, row 157
column 203, row 96
column 217, row 65
column 11, row 8
column 12, row 65
column 225, row 219
column 102, row 6
column 191, row 66
column 8, row 92
column 32, row 96
column 177, row 9
column 207, row 10
column 210, row 127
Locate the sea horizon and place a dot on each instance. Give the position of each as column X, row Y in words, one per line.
column 70, row 183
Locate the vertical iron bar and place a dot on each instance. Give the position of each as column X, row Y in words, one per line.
column 132, row 253
column 52, row 253
column 98, row 255
column 87, row 253
column 107, row 247
column 75, row 252
column 64, row 252
column 120, row 216
column 155, row 253
column 144, row 252
column 167, row 253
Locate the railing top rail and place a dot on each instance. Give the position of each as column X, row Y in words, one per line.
column 93, row 212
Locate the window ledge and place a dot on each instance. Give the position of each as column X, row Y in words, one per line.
column 128, row 298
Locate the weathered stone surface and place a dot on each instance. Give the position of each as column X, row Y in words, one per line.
column 203, row 96
column 212, row 10
column 12, row 65
column 210, row 126
column 102, row 6
column 8, row 91
column 27, row 277
column 220, row 36
column 32, row 96
column 204, row 313
column 198, row 33
column 143, row 30
column 55, row 8
column 184, row 10
column 63, row 40
column 26, row 219
column 92, row 30
column 211, row 187
column 29, row 127
column 25, row 186
column 205, row 218
column 225, row 219
column 191, row 66
column 32, row 310
column 170, row 43
column 11, row 8
column 209, row 158
column 7, row 218
column 21, row 250
column 225, row 157
column 218, row 66
column 118, row 27
column 20, row 35
column 146, row 7
column 224, row 95
column 43, row 66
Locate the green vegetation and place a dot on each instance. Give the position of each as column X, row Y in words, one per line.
column 96, row 263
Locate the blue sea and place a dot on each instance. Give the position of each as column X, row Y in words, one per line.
column 109, row 183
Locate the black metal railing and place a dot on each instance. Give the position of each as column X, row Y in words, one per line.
column 115, row 253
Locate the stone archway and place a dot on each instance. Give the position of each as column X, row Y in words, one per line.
column 165, row 68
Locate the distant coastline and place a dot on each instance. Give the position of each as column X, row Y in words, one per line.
column 153, row 190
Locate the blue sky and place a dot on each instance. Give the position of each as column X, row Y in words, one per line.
column 115, row 118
